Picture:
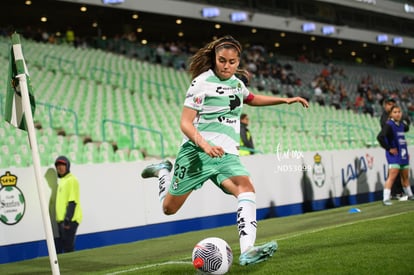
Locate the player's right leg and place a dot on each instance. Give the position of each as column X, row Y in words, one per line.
column 173, row 203
column 162, row 172
column 153, row 170
column 392, row 174
column 191, row 170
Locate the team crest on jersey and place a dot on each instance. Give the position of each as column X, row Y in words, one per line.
column 198, row 100
column 175, row 184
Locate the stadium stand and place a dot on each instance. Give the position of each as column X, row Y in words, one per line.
column 100, row 99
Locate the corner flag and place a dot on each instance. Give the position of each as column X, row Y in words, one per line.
column 14, row 112
column 19, row 113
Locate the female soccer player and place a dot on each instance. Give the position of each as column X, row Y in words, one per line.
column 392, row 139
column 210, row 121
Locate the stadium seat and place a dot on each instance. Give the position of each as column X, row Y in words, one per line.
column 20, row 160
column 106, row 152
column 153, row 99
column 75, row 157
column 135, row 155
column 120, row 156
column 89, row 157
column 124, row 142
column 5, row 151
column 4, row 161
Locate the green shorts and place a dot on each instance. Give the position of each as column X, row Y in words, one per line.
column 398, row 166
column 193, row 167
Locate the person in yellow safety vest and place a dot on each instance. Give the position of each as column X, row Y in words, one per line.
column 70, row 36
column 246, row 139
column 68, row 209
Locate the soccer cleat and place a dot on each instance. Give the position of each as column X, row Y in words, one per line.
column 152, row 170
column 387, row 203
column 257, row 254
column 403, row 198
column 410, row 198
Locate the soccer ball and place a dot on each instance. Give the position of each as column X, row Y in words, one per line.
column 212, row 255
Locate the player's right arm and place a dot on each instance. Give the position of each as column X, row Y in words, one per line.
column 187, row 127
column 385, row 136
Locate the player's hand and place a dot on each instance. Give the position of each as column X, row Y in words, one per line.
column 394, row 151
column 298, row 99
column 214, row 151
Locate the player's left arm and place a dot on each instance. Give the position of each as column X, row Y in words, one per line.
column 264, row 100
column 406, row 122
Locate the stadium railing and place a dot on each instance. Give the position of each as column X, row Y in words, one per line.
column 131, row 127
column 349, row 137
column 62, row 109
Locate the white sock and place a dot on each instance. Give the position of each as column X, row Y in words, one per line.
column 246, row 220
column 387, row 194
column 164, row 181
column 407, row 191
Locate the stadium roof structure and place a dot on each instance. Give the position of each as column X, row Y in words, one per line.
column 341, row 32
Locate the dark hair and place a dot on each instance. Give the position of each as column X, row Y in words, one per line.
column 395, row 107
column 390, row 99
column 243, row 116
column 204, row 58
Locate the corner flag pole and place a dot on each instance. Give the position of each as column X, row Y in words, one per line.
column 36, row 165
column 18, row 56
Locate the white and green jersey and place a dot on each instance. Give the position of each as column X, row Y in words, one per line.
column 219, row 105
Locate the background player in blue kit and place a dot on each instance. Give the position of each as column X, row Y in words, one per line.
column 392, row 139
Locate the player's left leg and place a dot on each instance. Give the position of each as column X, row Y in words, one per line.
column 257, row 254
column 243, row 189
column 405, row 182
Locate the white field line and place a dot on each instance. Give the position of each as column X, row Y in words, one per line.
column 148, row 266
column 341, row 225
column 284, row 238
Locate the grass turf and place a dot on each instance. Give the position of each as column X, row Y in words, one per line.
column 378, row 240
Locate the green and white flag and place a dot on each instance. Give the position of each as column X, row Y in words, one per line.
column 14, row 112
column 20, row 105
